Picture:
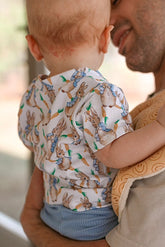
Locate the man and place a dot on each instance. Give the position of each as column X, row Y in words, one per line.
column 139, row 34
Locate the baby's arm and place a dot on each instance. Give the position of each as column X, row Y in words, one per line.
column 134, row 146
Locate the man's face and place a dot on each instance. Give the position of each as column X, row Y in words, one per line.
column 139, row 32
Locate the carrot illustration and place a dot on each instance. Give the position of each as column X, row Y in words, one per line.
column 116, row 126
column 82, row 159
column 42, row 99
column 109, row 170
column 57, row 113
column 78, row 206
column 53, row 172
column 96, row 191
column 38, row 124
column 59, row 192
column 89, row 107
column 95, row 146
column 88, row 132
column 20, row 110
column 64, row 79
column 117, row 106
column 39, row 108
column 69, row 95
column 67, row 148
column 97, row 91
column 70, row 135
column 71, row 168
column 96, row 176
column 80, row 191
column 99, row 203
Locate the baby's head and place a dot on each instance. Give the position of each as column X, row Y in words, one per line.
column 67, row 23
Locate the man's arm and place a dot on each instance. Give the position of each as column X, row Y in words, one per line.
column 40, row 234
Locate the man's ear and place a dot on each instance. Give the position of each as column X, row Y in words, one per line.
column 34, row 47
column 105, row 39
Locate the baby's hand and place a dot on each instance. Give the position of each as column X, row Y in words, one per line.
column 161, row 116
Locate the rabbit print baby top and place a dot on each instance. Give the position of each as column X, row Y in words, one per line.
column 66, row 119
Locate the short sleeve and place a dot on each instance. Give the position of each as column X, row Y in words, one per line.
column 105, row 116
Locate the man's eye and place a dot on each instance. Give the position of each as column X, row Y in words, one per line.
column 114, row 2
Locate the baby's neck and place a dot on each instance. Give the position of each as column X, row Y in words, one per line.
column 78, row 58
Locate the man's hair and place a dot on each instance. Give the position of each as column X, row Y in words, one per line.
column 68, row 22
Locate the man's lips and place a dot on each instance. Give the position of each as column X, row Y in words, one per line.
column 119, row 37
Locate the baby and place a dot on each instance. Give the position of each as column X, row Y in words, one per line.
column 75, row 121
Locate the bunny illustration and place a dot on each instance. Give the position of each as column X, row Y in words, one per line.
column 76, row 77
column 40, row 158
column 86, row 203
column 30, row 119
column 74, row 185
column 102, row 134
column 73, row 103
column 99, row 167
column 45, row 118
column 48, row 90
column 66, row 199
column 85, row 180
column 31, row 97
column 106, row 194
column 52, row 138
column 31, row 129
column 108, row 96
column 63, row 162
column 35, row 136
column 53, row 189
column 107, row 191
column 75, row 136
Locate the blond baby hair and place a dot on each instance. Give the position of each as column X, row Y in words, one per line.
column 67, row 22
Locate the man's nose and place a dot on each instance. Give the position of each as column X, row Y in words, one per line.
column 116, row 15
column 113, row 18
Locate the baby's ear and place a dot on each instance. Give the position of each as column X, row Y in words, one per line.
column 34, row 47
column 105, row 39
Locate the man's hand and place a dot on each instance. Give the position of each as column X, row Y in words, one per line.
column 40, row 234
